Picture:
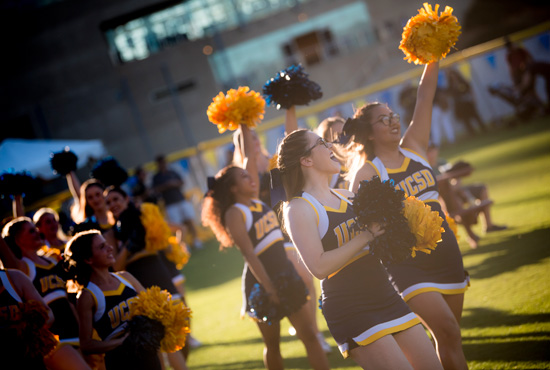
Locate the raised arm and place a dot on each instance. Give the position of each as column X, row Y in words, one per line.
column 28, row 292
column 9, row 260
column 417, row 135
column 301, row 223
column 74, row 186
column 17, row 206
column 237, row 229
column 250, row 153
column 291, row 122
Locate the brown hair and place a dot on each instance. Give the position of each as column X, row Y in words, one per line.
column 217, row 201
column 11, row 230
column 84, row 210
column 359, row 148
column 77, row 251
column 291, row 150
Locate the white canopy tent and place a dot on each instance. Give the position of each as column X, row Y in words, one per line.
column 34, row 155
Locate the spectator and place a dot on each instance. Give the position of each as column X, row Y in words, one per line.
column 141, row 192
column 465, row 109
column 179, row 211
column 462, row 202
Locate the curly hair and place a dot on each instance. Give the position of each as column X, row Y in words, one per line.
column 217, row 201
column 77, row 251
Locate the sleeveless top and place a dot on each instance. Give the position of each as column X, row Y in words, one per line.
column 9, row 301
column 112, row 308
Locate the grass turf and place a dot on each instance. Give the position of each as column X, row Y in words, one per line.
column 506, row 321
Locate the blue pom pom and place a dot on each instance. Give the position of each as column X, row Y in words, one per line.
column 290, row 87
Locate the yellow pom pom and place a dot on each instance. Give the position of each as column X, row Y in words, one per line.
column 424, row 223
column 273, row 162
column 157, row 231
column 158, row 305
column 241, row 106
column 177, row 253
column 428, row 37
column 452, row 225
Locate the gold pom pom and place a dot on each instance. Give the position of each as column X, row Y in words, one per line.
column 452, row 225
column 177, row 253
column 157, row 231
column 158, row 305
column 242, row 106
column 428, row 37
column 273, row 162
column 424, row 223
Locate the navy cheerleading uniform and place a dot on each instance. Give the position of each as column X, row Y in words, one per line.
column 110, row 320
column 358, row 301
column 145, row 265
column 52, row 288
column 442, row 270
column 266, row 236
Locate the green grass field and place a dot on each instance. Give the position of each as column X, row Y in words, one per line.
column 506, row 321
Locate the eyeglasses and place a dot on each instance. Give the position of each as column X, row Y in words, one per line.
column 393, row 117
column 319, row 141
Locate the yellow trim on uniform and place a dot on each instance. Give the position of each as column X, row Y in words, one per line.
column 394, row 329
column 46, row 267
column 412, row 151
column 312, row 206
column 256, row 207
column 349, row 262
column 403, row 167
column 140, row 254
column 116, row 291
column 341, row 209
column 435, row 289
column 431, row 201
column 373, row 166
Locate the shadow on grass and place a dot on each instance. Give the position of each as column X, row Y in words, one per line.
column 527, row 346
column 487, row 318
column 510, row 254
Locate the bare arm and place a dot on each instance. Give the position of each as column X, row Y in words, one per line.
column 131, row 278
column 74, row 186
column 85, row 306
column 249, row 157
column 8, row 258
column 291, row 122
column 237, row 229
column 366, row 172
column 27, row 291
column 417, row 135
column 17, row 206
column 302, row 222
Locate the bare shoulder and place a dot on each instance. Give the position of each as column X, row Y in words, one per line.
column 131, row 278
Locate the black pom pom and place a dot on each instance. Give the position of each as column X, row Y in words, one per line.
column 292, row 294
column 109, row 172
column 63, row 162
column 145, row 335
column 380, row 202
column 289, row 87
column 21, row 183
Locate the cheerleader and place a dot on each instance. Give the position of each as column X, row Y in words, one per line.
column 433, row 285
column 236, row 216
column 104, row 301
column 15, row 290
column 47, row 223
column 22, row 241
column 367, row 318
column 132, row 256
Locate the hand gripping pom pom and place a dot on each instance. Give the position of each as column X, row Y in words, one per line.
column 63, row 162
column 292, row 294
column 242, row 106
column 379, row 202
column 145, row 335
column 290, row 87
column 428, row 37
column 158, row 305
